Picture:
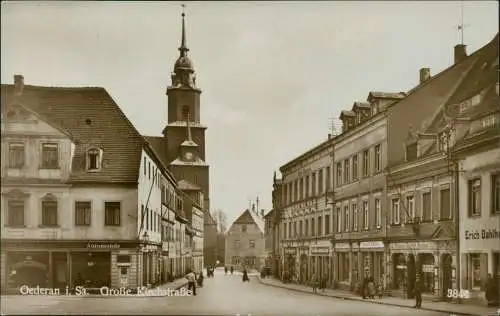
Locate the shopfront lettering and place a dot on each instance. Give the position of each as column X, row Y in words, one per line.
column 482, row 234
column 103, row 246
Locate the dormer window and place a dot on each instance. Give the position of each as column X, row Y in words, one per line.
column 94, row 156
column 358, row 117
column 411, row 151
column 489, row 121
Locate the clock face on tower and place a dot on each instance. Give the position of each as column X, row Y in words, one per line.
column 188, row 156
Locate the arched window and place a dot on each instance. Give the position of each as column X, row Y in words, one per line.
column 93, row 159
column 185, row 112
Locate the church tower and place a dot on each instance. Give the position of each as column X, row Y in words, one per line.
column 184, row 133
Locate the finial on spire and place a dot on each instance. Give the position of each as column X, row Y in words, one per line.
column 188, row 127
column 183, row 49
column 461, row 24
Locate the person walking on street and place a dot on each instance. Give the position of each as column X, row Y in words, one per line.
column 364, row 287
column 191, row 278
column 314, row 283
column 492, row 292
column 245, row 275
column 225, row 269
column 371, row 288
column 417, row 291
column 232, row 269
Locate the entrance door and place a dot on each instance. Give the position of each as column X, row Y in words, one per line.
column 447, row 275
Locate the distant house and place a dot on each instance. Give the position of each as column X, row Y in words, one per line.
column 245, row 242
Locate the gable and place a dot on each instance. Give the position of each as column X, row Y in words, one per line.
column 245, row 218
column 20, row 120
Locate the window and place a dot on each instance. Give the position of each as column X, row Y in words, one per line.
column 395, row 211
column 410, row 208
column 339, row 220
column 307, row 187
column 347, row 221
column 185, row 113
column 346, row 171
column 320, row 181
column 355, row 217
column 149, row 170
column 476, row 270
column 313, row 184
column 378, row 158
column 307, row 228
column 355, row 168
column 50, row 156
column 82, row 213
column 252, row 243
column 411, row 151
column 345, row 266
column 294, row 229
column 16, row 155
column 313, row 227
column 426, row 207
column 328, row 178
column 320, row 226
column 49, row 213
column 93, row 161
column 475, row 197
column 15, row 214
column 444, row 202
column 378, row 213
column 243, row 228
column 144, row 165
column 301, row 188
column 327, row 224
column 366, row 164
column 495, row 194
column 112, row 213
column 339, row 174
column 290, row 235
column 489, row 121
column 301, row 229
column 366, row 219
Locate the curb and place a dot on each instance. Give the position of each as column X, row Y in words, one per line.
column 359, row 300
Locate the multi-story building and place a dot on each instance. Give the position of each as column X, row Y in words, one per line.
column 268, row 237
column 421, row 209
column 474, row 113
column 277, row 202
column 360, row 165
column 80, row 190
column 306, row 219
column 245, row 241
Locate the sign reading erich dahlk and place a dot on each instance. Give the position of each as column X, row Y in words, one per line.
column 482, row 234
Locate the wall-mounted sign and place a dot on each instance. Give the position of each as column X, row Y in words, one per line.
column 371, row 244
column 482, row 234
column 342, row 246
column 103, row 246
column 290, row 251
column 320, row 250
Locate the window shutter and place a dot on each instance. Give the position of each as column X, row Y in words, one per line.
column 484, row 269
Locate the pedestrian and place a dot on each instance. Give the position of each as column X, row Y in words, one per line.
column 371, row 288
column 199, row 281
column 191, row 278
column 232, row 269
column 380, row 290
column 314, row 283
column 364, row 287
column 492, row 291
column 225, row 269
column 245, row 275
column 417, row 291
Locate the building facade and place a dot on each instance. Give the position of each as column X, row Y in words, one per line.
column 306, row 220
column 245, row 243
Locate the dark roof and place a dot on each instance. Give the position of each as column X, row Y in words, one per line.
column 248, row 217
column 346, row 113
column 93, row 118
column 385, row 95
column 359, row 104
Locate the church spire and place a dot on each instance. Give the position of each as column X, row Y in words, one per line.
column 183, row 49
column 188, row 130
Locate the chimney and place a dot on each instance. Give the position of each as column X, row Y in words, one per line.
column 329, row 136
column 460, row 52
column 262, row 213
column 425, row 74
column 18, row 84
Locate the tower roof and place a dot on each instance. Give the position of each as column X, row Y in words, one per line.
column 183, row 62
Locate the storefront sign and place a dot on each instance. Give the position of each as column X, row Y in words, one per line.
column 103, row 246
column 320, row 250
column 482, row 234
column 371, row 244
column 290, row 251
column 342, row 246
column 428, row 268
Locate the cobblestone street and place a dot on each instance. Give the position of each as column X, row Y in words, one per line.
column 222, row 295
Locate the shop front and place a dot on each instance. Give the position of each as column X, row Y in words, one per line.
column 51, row 264
column 342, row 265
column 289, row 259
column 320, row 256
column 372, row 260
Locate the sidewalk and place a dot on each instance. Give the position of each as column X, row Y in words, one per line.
column 453, row 309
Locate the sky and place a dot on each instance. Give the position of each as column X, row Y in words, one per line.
column 273, row 74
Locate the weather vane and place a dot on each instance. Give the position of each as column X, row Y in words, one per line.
column 461, row 24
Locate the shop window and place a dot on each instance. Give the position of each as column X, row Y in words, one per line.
column 112, row 213
column 50, row 156
column 495, row 194
column 476, row 270
column 82, row 213
column 15, row 213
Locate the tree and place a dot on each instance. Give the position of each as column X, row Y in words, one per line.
column 221, row 218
